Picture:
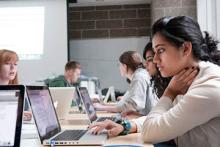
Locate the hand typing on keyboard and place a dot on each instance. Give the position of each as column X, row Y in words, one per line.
column 92, row 131
column 109, row 127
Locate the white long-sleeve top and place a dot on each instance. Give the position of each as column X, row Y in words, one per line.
column 193, row 120
column 139, row 96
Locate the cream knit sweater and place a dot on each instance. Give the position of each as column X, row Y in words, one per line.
column 193, row 120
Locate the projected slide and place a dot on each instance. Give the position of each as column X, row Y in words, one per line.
column 22, row 30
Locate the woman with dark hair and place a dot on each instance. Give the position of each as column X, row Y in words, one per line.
column 189, row 110
column 139, row 97
column 158, row 82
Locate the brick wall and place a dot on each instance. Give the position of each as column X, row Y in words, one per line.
column 161, row 8
column 109, row 21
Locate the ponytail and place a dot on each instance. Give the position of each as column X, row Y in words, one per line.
column 210, row 49
column 132, row 59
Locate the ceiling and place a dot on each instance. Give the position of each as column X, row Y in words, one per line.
column 106, row 2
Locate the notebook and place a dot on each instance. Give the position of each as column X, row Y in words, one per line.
column 48, row 125
column 11, row 104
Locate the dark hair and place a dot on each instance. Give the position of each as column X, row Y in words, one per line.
column 179, row 29
column 147, row 48
column 132, row 60
column 72, row 65
column 158, row 82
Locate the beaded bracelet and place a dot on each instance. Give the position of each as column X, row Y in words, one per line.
column 127, row 127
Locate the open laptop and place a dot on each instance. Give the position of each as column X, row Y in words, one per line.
column 62, row 98
column 47, row 123
column 78, row 102
column 11, row 104
column 90, row 110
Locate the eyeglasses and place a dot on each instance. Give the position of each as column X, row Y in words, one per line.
column 149, row 59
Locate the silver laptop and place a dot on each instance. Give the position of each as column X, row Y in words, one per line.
column 90, row 110
column 62, row 98
column 11, row 104
column 48, row 126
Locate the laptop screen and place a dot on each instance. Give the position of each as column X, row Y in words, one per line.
column 78, row 101
column 43, row 111
column 11, row 104
column 83, row 92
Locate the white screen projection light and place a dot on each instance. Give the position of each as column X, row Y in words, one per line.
column 22, row 30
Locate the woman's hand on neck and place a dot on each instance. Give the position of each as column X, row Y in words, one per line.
column 192, row 63
column 181, row 82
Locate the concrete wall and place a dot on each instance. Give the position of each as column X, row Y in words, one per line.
column 99, row 57
column 161, row 8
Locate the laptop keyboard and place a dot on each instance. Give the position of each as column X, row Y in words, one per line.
column 70, row 135
column 104, row 118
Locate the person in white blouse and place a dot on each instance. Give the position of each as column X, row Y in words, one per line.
column 139, row 98
column 189, row 110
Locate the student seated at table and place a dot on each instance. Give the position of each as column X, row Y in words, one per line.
column 157, row 82
column 139, row 96
column 8, row 73
column 189, row 108
column 70, row 77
